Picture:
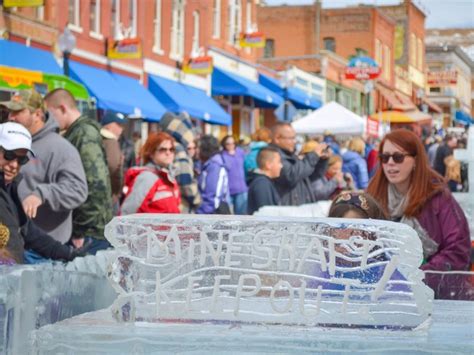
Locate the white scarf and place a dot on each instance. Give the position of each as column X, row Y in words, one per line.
column 397, row 203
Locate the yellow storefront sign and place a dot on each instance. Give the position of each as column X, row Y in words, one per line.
column 15, row 78
column 23, row 3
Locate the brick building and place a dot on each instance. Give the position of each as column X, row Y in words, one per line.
column 170, row 31
column 462, row 37
column 323, row 40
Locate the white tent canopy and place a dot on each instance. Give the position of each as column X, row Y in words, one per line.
column 332, row 117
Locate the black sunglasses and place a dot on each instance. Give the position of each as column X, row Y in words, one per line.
column 164, row 150
column 398, row 158
column 10, row 155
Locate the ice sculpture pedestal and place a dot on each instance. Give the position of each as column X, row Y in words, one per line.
column 451, row 332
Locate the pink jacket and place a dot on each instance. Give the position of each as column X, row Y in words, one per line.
column 446, row 224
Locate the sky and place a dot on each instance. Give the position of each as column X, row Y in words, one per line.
column 440, row 13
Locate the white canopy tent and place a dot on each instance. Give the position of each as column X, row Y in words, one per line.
column 332, row 117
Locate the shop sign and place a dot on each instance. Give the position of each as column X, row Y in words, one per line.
column 19, row 79
column 202, row 65
column 129, row 48
column 22, row 3
column 362, row 68
column 372, row 127
column 252, row 40
column 442, row 78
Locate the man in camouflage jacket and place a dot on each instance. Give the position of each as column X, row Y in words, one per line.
column 89, row 219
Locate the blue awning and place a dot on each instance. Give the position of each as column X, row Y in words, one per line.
column 463, row 118
column 225, row 83
column 300, row 99
column 178, row 97
column 117, row 92
column 17, row 55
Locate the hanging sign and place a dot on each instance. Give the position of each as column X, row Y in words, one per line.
column 252, row 40
column 202, row 65
column 362, row 68
column 129, row 48
column 442, row 78
column 22, row 3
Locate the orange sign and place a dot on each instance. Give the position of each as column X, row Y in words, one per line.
column 129, row 48
column 199, row 65
column 252, row 40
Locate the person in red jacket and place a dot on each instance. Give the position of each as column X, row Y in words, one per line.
column 152, row 188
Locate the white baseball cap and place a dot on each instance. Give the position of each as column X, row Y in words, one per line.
column 14, row 136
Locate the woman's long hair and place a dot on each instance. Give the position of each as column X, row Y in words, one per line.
column 425, row 182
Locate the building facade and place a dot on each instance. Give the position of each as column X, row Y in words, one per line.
column 170, row 32
column 449, row 80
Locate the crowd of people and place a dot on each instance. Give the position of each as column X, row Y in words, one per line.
column 64, row 176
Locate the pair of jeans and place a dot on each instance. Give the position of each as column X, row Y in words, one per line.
column 96, row 245
column 239, row 202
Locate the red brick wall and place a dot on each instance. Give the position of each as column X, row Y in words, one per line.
column 291, row 27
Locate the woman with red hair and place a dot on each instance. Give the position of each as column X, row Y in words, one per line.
column 412, row 193
column 152, row 188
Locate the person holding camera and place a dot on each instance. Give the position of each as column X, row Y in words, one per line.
column 333, row 182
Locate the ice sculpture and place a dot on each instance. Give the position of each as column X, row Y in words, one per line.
column 264, row 270
column 35, row 295
column 319, row 209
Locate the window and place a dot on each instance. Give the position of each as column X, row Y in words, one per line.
column 235, row 21
column 435, row 89
column 40, row 13
column 330, row 44
column 132, row 13
column 216, row 19
column 157, row 22
column 249, row 16
column 95, row 17
column 195, row 47
column 412, row 50
column 419, row 56
column 74, row 14
column 386, row 62
column 269, row 50
column 378, row 53
column 360, row 52
column 177, row 30
column 115, row 31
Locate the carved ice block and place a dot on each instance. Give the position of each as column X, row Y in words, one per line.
column 266, row 270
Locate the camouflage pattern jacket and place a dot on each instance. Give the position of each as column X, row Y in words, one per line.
column 89, row 219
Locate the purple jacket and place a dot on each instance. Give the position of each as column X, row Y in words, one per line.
column 235, row 169
column 446, row 224
column 213, row 185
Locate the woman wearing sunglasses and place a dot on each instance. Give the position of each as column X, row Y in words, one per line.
column 153, row 188
column 413, row 193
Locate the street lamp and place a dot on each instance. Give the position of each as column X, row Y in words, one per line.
column 66, row 43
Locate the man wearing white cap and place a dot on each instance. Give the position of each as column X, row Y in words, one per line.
column 15, row 148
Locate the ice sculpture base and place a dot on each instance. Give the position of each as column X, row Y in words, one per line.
column 452, row 331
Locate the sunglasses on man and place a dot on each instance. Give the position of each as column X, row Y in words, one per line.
column 398, row 158
column 10, row 155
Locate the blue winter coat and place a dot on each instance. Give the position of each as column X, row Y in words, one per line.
column 354, row 164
